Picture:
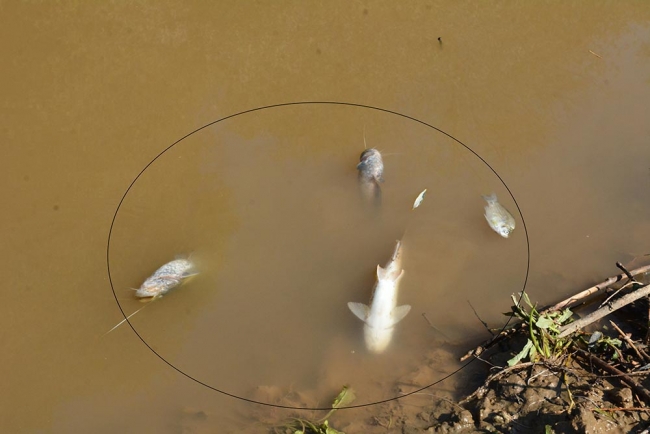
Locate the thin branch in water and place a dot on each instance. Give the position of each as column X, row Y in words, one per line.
column 627, row 273
column 426, row 318
column 479, row 318
column 603, row 311
column 594, row 289
column 607, row 300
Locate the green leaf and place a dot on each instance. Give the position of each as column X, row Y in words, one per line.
column 523, row 353
column 344, row 398
column 544, row 323
column 565, row 316
column 532, row 356
column 329, row 430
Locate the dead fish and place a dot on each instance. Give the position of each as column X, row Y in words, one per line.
column 166, row 278
column 161, row 282
column 382, row 315
column 371, row 171
column 499, row 219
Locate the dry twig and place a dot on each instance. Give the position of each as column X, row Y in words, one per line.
column 595, row 289
column 642, row 354
column 603, row 311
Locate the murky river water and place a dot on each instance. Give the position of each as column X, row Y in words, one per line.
column 554, row 97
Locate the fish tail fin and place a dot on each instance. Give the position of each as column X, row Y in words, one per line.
column 492, row 198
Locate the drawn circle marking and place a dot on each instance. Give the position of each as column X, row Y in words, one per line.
column 110, row 232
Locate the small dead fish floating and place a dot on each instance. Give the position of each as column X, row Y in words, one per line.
column 371, row 172
column 499, row 219
column 166, row 278
column 161, row 282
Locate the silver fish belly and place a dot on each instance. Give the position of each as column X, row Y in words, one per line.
column 166, row 278
column 383, row 313
column 499, row 219
column 371, row 172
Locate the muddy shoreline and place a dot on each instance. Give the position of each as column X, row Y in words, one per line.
column 530, row 378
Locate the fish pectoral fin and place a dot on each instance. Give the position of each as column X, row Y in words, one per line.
column 400, row 312
column 381, row 273
column 359, row 310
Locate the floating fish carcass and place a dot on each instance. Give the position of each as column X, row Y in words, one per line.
column 371, row 172
column 166, row 278
column 499, row 219
column 383, row 313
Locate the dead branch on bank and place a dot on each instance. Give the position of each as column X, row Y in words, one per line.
column 604, row 311
column 596, row 289
column 570, row 302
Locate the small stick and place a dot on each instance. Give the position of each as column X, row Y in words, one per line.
column 426, row 318
column 122, row 322
column 629, row 341
column 627, row 273
column 607, row 300
column 623, row 409
column 595, row 54
column 639, row 389
column 490, row 343
column 594, row 289
column 603, row 311
column 479, row 318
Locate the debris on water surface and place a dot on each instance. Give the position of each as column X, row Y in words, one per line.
column 419, row 199
column 371, row 171
column 499, row 219
column 161, row 282
column 166, row 278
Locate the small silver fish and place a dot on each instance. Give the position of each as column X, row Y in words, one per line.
column 499, row 219
column 166, row 278
column 371, row 171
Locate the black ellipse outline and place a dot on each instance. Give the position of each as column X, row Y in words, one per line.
column 110, row 231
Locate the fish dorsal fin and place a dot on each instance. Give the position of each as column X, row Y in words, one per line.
column 359, row 310
column 381, row 273
column 400, row 312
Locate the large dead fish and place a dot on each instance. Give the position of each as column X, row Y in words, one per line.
column 382, row 315
column 371, row 171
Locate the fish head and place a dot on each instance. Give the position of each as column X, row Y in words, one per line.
column 152, row 288
column 371, row 165
column 504, row 231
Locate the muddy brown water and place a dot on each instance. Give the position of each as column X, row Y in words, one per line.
column 554, row 97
